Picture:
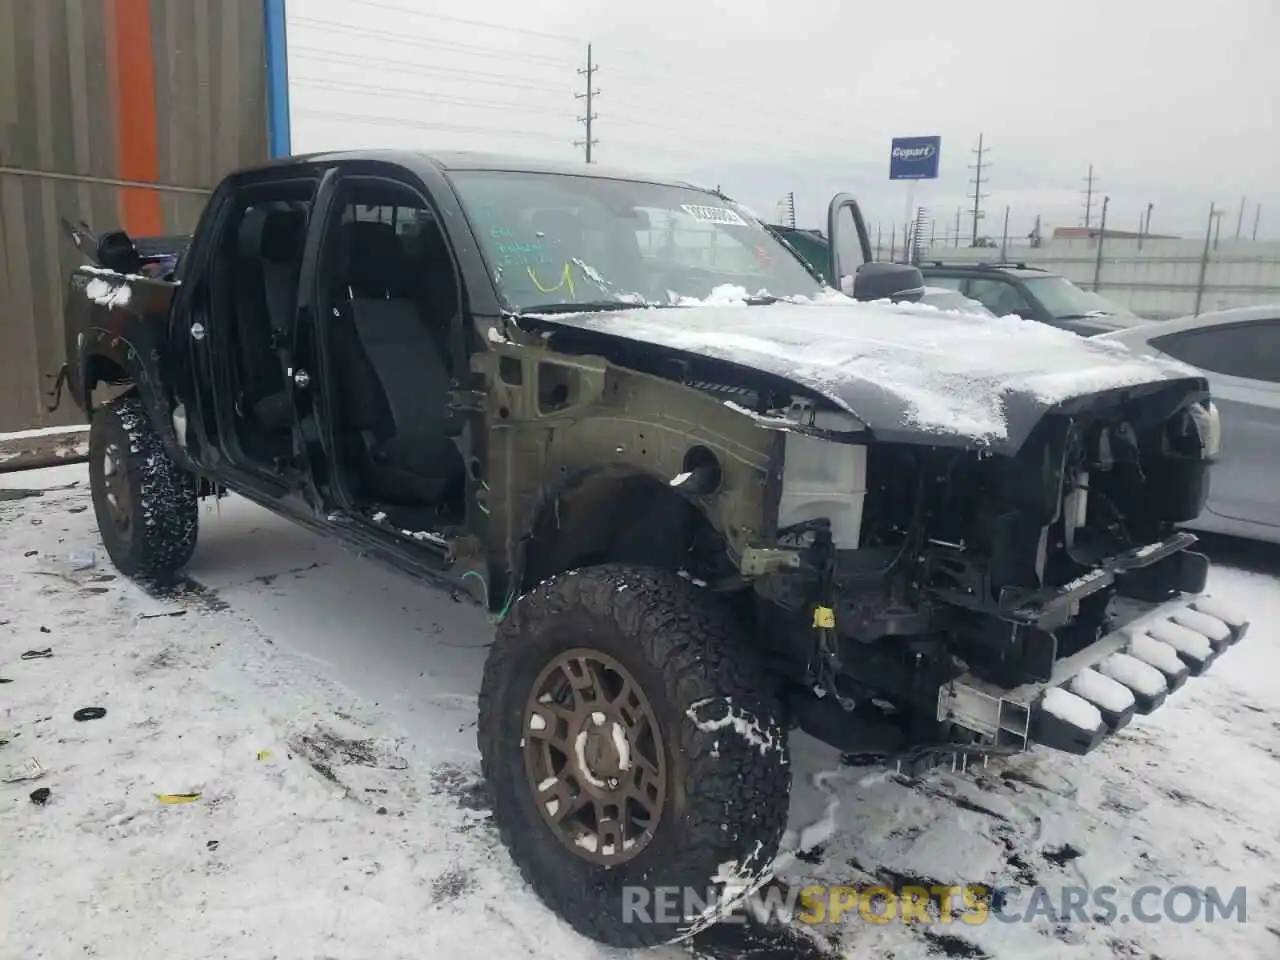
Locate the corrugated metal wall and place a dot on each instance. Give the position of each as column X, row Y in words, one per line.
column 120, row 113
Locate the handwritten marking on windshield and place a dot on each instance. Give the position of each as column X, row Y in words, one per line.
column 566, row 279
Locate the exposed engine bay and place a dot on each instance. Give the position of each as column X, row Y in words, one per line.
column 928, row 563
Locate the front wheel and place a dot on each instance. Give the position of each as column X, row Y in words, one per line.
column 632, row 754
column 145, row 504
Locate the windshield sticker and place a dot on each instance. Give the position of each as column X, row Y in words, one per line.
column 721, row 215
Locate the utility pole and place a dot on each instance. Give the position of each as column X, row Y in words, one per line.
column 1089, row 181
column 1004, row 236
column 1240, row 217
column 978, row 195
column 589, row 96
column 1257, row 216
column 1214, row 216
column 1102, row 236
column 789, row 209
column 956, row 241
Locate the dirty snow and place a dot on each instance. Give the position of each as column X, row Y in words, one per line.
column 322, row 710
column 35, row 434
column 950, row 368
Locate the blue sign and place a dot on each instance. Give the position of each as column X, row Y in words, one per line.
column 914, row 158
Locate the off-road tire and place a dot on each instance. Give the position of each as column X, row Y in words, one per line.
column 727, row 794
column 161, row 496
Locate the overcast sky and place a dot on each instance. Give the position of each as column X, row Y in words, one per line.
column 1174, row 103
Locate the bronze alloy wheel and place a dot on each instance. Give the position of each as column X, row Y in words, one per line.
column 594, row 757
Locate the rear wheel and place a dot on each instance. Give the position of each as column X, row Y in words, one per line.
column 146, row 505
column 631, row 747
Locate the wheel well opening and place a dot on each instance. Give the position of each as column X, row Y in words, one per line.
column 609, row 517
column 103, row 373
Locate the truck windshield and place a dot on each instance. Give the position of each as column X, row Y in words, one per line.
column 559, row 240
column 1064, row 300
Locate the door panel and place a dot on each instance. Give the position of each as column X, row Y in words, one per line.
column 1244, row 483
column 1242, row 363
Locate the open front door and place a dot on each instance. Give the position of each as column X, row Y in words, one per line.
column 850, row 244
column 850, row 267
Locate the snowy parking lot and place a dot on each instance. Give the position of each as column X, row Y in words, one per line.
column 286, row 767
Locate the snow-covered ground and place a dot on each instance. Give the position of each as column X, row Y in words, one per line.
column 322, row 711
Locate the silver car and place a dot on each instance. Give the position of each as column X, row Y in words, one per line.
column 1239, row 352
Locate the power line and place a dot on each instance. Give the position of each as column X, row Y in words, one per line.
column 379, row 121
column 589, row 97
column 978, row 195
column 413, row 69
column 1089, row 182
column 405, row 11
column 449, row 45
column 757, row 91
column 362, row 89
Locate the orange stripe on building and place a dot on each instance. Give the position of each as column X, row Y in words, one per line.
column 131, row 67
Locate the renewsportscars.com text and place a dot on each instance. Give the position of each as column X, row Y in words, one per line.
column 972, row 904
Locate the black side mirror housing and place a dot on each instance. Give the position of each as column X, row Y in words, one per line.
column 888, row 281
column 117, row 251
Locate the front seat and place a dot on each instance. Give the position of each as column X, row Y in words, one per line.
column 418, row 461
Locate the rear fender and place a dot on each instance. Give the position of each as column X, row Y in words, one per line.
column 117, row 332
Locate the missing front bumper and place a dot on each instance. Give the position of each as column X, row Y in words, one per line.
column 1097, row 691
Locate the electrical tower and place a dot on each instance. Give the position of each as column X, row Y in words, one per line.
column 590, row 96
column 1089, row 182
column 788, row 206
column 978, row 196
column 918, row 237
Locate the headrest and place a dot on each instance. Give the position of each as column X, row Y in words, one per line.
column 275, row 236
column 375, row 259
column 283, row 234
column 249, row 236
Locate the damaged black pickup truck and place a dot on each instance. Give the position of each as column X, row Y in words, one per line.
column 706, row 497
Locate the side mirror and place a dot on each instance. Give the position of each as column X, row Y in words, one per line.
column 887, row 281
column 848, row 243
column 117, row 251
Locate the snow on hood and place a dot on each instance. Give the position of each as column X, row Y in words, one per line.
column 895, row 366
